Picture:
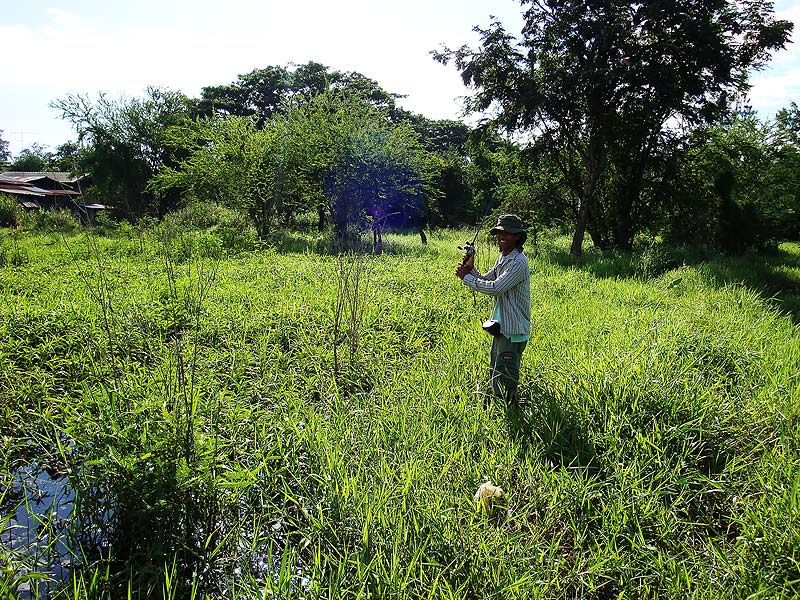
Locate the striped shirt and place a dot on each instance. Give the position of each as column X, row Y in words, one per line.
column 509, row 284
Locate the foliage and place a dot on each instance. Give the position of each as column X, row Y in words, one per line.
column 736, row 186
column 59, row 220
column 265, row 92
column 11, row 213
column 123, row 146
column 234, row 164
column 333, row 152
column 212, row 230
column 595, row 84
column 35, row 158
column 67, row 158
column 365, row 169
column 5, row 153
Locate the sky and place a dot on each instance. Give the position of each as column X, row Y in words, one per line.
column 59, row 47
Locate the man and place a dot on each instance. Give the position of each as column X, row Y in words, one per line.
column 508, row 283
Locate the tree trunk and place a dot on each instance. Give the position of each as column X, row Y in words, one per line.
column 595, row 155
column 587, row 197
column 580, row 230
column 321, row 220
column 422, row 236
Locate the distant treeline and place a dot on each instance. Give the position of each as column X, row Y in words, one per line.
column 617, row 122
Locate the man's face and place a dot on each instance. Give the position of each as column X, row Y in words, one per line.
column 507, row 241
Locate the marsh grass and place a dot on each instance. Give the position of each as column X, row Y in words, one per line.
column 194, row 401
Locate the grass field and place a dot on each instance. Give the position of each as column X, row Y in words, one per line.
column 283, row 423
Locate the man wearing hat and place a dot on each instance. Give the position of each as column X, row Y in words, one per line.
column 509, row 284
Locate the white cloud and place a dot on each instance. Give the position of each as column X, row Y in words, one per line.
column 186, row 46
column 778, row 84
column 76, row 54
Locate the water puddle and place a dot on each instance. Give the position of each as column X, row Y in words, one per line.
column 46, row 526
column 35, row 536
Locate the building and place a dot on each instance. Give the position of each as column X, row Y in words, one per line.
column 49, row 190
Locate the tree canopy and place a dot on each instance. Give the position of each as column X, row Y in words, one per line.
column 124, row 145
column 266, row 91
column 599, row 85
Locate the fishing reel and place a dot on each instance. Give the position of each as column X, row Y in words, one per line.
column 469, row 250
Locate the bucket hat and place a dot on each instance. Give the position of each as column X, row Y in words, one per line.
column 510, row 224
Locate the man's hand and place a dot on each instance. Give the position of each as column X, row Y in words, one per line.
column 465, row 267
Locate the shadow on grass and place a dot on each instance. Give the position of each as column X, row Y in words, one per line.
column 323, row 244
column 774, row 275
column 544, row 424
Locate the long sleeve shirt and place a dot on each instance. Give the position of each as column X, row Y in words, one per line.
column 509, row 284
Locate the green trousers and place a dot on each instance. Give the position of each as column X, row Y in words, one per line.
column 504, row 369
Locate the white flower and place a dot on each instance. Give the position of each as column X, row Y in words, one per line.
column 487, row 493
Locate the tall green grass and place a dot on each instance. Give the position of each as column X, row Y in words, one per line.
column 224, row 436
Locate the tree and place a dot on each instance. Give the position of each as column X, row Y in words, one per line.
column 35, row 158
column 735, row 186
column 596, row 84
column 264, row 92
column 366, row 170
column 5, row 153
column 786, row 167
column 67, row 158
column 123, row 145
column 232, row 162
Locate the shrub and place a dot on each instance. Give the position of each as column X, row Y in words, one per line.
column 657, row 259
column 236, row 232
column 59, row 219
column 198, row 214
column 11, row 213
column 232, row 229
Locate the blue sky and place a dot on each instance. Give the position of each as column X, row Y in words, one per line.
column 58, row 47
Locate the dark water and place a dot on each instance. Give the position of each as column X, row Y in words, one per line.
column 51, row 526
column 37, row 534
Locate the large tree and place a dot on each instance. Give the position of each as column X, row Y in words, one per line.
column 596, row 84
column 262, row 93
column 365, row 169
column 123, row 145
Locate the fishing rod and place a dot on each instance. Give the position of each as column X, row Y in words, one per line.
column 469, row 247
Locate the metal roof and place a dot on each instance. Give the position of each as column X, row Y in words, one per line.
column 22, row 190
column 31, row 190
column 25, row 176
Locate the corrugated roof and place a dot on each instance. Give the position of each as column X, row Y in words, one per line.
column 32, row 190
column 23, row 190
column 59, row 176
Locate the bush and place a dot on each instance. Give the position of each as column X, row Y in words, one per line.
column 11, row 213
column 58, row 219
column 232, row 229
column 197, row 215
column 657, row 259
column 237, row 232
